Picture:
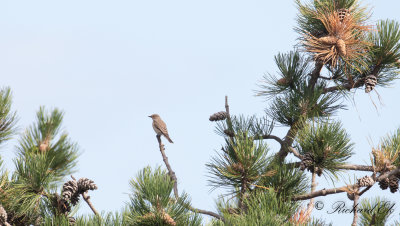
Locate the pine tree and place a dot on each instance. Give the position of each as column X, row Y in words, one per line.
column 339, row 52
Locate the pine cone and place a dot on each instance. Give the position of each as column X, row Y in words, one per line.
column 71, row 220
column 218, row 116
column 328, row 40
column 238, row 167
column 283, row 82
column 341, row 46
column 3, row 216
column 85, row 184
column 342, row 13
column 75, row 198
column 307, row 161
column 70, row 188
column 350, row 196
column 365, row 181
column 168, row 219
column 229, row 133
column 393, row 183
column 370, row 82
column 384, row 184
column 64, row 206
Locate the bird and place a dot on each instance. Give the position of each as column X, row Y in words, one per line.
column 159, row 127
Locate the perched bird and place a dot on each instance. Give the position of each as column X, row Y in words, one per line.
column 160, row 127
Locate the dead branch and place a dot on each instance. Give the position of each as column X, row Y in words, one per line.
column 170, row 171
column 355, row 207
column 173, row 178
column 325, row 192
column 86, row 197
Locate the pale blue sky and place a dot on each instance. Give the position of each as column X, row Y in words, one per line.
column 110, row 64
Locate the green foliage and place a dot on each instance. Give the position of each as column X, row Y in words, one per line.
column 375, row 211
column 263, row 208
column 152, row 201
column 241, row 162
column 251, row 125
column 293, row 69
column 286, row 182
column 391, row 145
column 61, row 153
column 105, row 219
column 44, row 157
column 385, row 51
column 7, row 117
column 309, row 24
column 303, row 103
column 327, row 141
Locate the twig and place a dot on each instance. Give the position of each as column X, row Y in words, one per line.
column 347, row 86
column 316, row 73
column 287, row 142
column 295, row 153
column 363, row 191
column 310, row 205
column 227, row 108
column 173, row 177
column 170, row 171
column 209, row 213
column 273, row 137
column 325, row 192
column 355, row 207
column 344, row 166
column 87, row 200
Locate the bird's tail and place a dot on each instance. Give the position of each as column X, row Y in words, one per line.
column 169, row 139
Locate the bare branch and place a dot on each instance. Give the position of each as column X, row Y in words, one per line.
column 344, row 166
column 355, row 207
column 273, row 137
column 347, row 86
column 296, row 153
column 170, row 171
column 86, row 197
column 316, row 73
column 287, row 142
column 173, row 178
column 310, row 205
column 325, row 192
column 209, row 213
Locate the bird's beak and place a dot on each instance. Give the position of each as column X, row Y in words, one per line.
column 149, row 116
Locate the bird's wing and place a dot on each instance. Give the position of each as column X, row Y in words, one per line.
column 160, row 125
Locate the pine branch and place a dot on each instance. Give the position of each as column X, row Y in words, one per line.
column 173, row 178
column 310, row 205
column 170, row 171
column 316, row 73
column 287, row 141
column 344, row 166
column 325, row 192
column 355, row 207
column 346, row 86
column 273, row 137
column 86, row 197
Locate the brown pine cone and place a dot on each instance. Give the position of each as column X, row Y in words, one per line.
column 85, row 184
column 342, row 13
column 222, row 115
column 69, row 189
column 365, row 181
column 350, row 196
column 307, row 161
column 370, row 82
column 384, row 184
column 3, row 216
column 393, row 183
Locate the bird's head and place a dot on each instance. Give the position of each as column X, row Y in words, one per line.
column 153, row 116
